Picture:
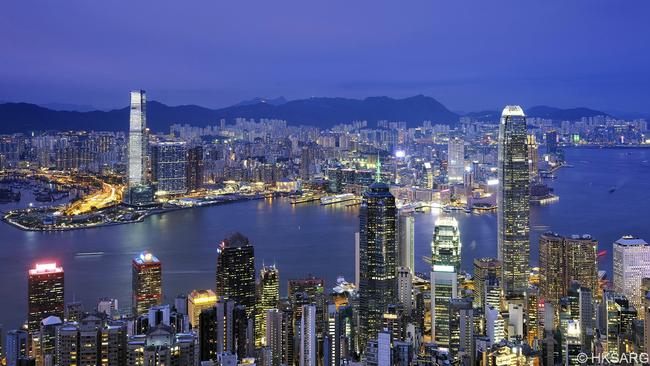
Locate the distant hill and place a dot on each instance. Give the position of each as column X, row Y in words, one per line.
column 319, row 112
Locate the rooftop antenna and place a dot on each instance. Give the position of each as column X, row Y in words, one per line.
column 378, row 172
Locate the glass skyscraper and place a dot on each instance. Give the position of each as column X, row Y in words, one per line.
column 378, row 258
column 513, row 195
column 169, row 167
column 138, row 139
column 146, row 283
column 45, row 294
column 269, row 295
column 236, row 271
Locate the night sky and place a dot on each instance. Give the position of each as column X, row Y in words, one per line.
column 470, row 55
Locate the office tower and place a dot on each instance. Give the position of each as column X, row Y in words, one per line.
column 91, row 342
column 646, row 322
column 379, row 351
column 107, row 306
column 515, row 321
column 357, row 259
column 455, row 160
column 73, row 311
column 445, row 261
column 494, row 324
column 378, row 257
column 268, row 297
column 146, row 283
column 586, row 317
column 551, row 142
column 308, row 350
column 446, row 245
column 45, row 294
column 220, row 330
column 533, row 157
column 169, row 167
column 532, row 315
column 305, row 164
column 161, row 346
column 406, row 240
column 564, row 260
column 194, row 168
column 631, row 265
column 513, row 194
column 461, row 329
column 138, row 139
column 405, row 289
column 17, row 346
column 552, row 264
column 616, row 314
column 274, row 335
column 197, row 301
column 484, row 269
column 236, row 271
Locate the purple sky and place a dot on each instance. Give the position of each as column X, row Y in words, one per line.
column 470, row 55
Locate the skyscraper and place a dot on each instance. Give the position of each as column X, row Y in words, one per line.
column 445, row 262
column 513, row 194
column 236, row 271
column 484, row 270
column 146, row 283
column 631, row 265
column 45, row 294
column 406, row 240
column 197, row 301
column 455, row 159
column 194, row 168
column 308, row 350
column 378, row 257
column 138, row 139
column 268, row 297
column 169, row 167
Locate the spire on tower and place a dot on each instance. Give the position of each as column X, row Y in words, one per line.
column 378, row 172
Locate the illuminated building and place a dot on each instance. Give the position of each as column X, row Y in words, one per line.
column 533, row 157
column 169, row 167
column 405, row 289
column 138, row 139
column 377, row 257
column 406, row 240
column 308, row 350
column 146, row 283
column 461, row 329
column 224, row 328
column 494, row 324
column 564, row 260
column 194, row 168
column 161, row 346
column 586, row 317
column 445, row 261
column 513, row 195
column 455, row 160
column 616, row 316
column 197, row 301
column 269, row 295
column 91, row 342
column 305, row 163
column 631, row 265
column 236, row 271
column 17, row 346
column 307, row 291
column 45, row 294
column 274, row 335
column 484, row 269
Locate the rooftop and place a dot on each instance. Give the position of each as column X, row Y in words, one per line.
column 513, row 110
column 43, row 268
column 629, row 240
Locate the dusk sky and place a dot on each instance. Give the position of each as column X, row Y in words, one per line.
column 470, row 55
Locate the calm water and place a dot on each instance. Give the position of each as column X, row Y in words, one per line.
column 310, row 238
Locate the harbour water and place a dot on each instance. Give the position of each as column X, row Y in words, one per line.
column 604, row 194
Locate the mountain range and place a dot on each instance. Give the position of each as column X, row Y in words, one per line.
column 319, row 112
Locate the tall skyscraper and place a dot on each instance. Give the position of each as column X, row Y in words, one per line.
column 308, row 350
column 146, row 283
column 445, row 261
column 17, row 346
column 378, row 257
column 268, row 297
column 513, row 195
column 194, row 168
column 138, row 139
column 533, row 157
column 169, row 167
column 236, row 271
column 274, row 335
column 455, row 159
column 45, row 294
column 197, row 301
column 631, row 266
column 485, row 269
column 563, row 260
column 406, row 240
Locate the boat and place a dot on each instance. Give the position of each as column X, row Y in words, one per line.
column 337, row 198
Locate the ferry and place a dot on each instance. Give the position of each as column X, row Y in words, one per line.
column 337, row 198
